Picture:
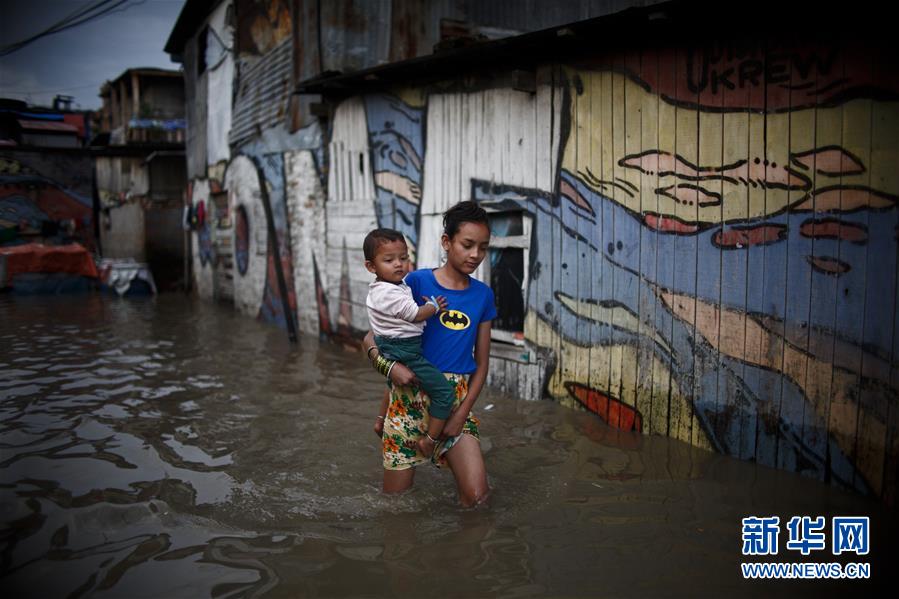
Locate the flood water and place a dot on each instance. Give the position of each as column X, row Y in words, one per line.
column 172, row 448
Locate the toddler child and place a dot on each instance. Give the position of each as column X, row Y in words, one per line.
column 397, row 322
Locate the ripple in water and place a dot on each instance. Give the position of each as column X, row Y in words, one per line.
column 169, row 448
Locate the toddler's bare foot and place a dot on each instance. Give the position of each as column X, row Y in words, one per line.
column 425, row 446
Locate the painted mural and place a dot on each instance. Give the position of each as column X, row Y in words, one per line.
column 396, row 148
column 712, row 231
column 750, row 255
column 716, row 260
column 271, row 169
column 241, row 233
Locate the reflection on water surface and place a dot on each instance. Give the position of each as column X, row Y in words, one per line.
column 169, row 448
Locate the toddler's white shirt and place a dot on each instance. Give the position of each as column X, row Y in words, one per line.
column 391, row 310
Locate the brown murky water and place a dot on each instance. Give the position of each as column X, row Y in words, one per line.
column 169, row 448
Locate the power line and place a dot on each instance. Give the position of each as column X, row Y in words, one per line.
column 94, row 11
column 55, row 28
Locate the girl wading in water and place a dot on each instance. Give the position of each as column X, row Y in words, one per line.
column 457, row 342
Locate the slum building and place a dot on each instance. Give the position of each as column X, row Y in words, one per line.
column 694, row 226
column 140, row 170
column 46, row 173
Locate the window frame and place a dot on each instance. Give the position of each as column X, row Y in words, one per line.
column 522, row 242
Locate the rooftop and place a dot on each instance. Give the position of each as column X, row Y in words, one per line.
column 697, row 22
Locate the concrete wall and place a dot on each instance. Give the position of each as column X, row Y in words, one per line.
column 243, row 139
column 306, row 214
column 245, row 203
column 121, row 178
column 220, row 75
column 123, row 183
column 122, row 232
column 140, row 212
column 203, row 244
column 196, row 90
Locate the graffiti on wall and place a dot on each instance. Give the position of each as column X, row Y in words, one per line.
column 232, row 255
column 717, row 258
column 396, row 144
column 712, row 257
column 766, row 241
column 271, row 172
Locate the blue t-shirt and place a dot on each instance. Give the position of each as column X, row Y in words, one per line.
column 449, row 337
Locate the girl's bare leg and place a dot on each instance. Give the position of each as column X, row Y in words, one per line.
column 467, row 463
column 397, row 481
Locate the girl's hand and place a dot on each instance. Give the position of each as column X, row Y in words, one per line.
column 402, row 376
column 379, row 426
column 453, row 425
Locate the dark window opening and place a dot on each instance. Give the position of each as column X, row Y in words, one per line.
column 507, row 282
column 242, row 240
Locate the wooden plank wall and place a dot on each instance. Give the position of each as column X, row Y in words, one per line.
column 714, row 229
column 350, row 213
column 746, row 215
column 714, row 241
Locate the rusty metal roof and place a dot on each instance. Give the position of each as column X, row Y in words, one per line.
column 694, row 22
column 521, row 51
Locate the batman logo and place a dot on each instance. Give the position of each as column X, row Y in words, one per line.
column 455, row 320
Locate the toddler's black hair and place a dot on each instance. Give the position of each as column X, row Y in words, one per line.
column 463, row 212
column 378, row 237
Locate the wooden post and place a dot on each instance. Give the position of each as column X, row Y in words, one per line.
column 135, row 95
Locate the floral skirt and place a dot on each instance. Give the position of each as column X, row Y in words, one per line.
column 407, row 421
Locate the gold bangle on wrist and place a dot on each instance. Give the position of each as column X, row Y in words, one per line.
column 383, row 365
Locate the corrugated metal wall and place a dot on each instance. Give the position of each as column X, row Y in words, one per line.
column 533, row 15
column 712, row 261
column 713, row 247
column 355, row 35
column 264, row 87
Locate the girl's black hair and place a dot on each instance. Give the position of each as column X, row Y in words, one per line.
column 463, row 212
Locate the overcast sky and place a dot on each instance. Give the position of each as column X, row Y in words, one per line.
column 77, row 62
